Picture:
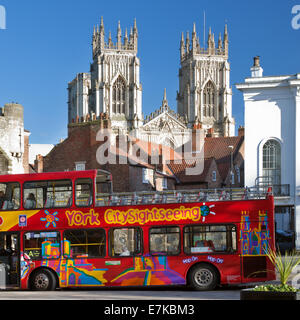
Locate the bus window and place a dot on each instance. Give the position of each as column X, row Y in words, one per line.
column 103, row 191
column 165, row 240
column 84, row 192
column 47, row 194
column 84, row 243
column 209, row 238
column 9, row 196
column 33, row 194
column 42, row 245
column 125, row 242
column 59, row 194
column 103, row 187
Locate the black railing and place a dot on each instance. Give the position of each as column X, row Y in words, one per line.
column 179, row 196
column 279, row 190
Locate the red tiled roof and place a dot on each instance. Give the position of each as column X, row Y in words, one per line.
column 149, row 149
column 179, row 170
column 219, row 149
column 215, row 148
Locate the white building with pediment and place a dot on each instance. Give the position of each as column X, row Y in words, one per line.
column 272, row 144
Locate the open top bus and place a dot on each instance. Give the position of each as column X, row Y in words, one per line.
column 68, row 229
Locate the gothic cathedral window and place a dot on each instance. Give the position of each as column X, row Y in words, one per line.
column 118, row 97
column 209, row 100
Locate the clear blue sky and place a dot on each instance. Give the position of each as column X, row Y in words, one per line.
column 47, row 43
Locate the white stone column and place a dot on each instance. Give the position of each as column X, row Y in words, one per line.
column 110, row 100
column 97, row 100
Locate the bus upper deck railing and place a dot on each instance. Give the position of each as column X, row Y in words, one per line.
column 178, row 196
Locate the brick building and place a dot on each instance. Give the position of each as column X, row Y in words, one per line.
column 229, row 155
column 79, row 152
column 222, row 155
column 208, row 179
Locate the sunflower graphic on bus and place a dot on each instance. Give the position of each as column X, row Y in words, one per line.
column 50, row 218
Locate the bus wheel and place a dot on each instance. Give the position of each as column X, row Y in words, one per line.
column 203, row 277
column 43, row 280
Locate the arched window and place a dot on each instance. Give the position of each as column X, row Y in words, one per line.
column 209, row 100
column 118, row 96
column 272, row 161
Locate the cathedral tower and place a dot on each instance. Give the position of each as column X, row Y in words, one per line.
column 113, row 84
column 205, row 95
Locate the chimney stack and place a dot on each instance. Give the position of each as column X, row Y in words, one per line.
column 241, row 131
column 256, row 69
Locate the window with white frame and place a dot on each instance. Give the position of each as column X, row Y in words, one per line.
column 214, row 176
column 145, row 175
column 165, row 183
column 272, row 161
column 79, row 166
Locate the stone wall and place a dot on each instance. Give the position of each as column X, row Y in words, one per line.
column 13, row 140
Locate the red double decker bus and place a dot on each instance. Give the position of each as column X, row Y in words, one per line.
column 69, row 230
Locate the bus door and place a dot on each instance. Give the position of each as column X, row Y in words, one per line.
column 9, row 260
